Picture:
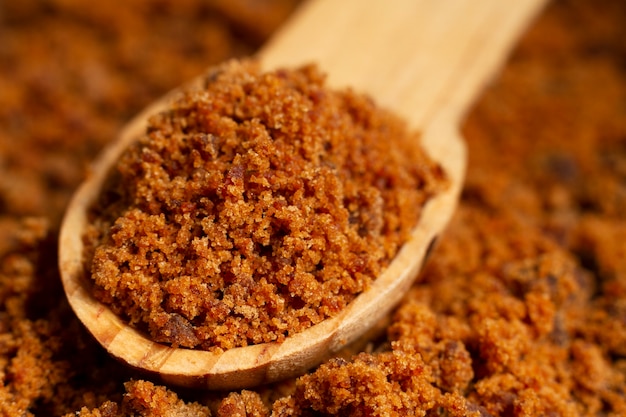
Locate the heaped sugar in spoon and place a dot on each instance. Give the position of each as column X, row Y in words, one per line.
column 424, row 60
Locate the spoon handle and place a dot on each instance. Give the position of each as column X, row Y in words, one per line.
column 422, row 58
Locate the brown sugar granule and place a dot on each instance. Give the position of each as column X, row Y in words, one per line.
column 255, row 207
column 146, row 399
column 243, row 404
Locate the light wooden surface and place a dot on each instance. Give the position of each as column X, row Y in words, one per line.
column 428, row 60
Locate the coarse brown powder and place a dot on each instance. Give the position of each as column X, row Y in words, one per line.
column 521, row 310
column 256, row 207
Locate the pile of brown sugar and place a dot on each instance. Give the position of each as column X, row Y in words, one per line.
column 521, row 310
column 256, row 206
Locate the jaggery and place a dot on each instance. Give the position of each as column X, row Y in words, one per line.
column 520, row 310
column 255, row 207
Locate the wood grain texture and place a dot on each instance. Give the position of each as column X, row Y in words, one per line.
column 425, row 59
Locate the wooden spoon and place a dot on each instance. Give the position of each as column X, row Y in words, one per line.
column 425, row 59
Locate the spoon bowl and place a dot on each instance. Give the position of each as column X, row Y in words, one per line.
column 425, row 60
